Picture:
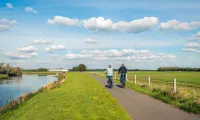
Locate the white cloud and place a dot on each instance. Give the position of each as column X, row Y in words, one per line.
column 136, row 26
column 198, row 51
column 41, row 41
column 43, row 61
column 193, row 45
column 172, row 57
column 120, row 55
column 28, row 49
column 77, row 56
column 189, row 50
column 63, row 21
column 5, row 24
column 178, row 25
column 9, row 5
column 29, row 9
column 20, row 55
column 198, row 35
column 98, row 24
column 55, row 47
column 92, row 41
column 54, row 56
column 105, row 25
column 4, row 27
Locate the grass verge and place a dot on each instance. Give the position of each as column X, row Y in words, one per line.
column 180, row 99
column 3, row 76
column 80, row 97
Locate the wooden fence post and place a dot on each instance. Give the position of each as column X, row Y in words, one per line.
column 174, row 85
column 135, row 79
column 149, row 80
column 127, row 77
column 115, row 76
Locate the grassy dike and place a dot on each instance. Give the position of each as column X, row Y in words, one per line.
column 79, row 97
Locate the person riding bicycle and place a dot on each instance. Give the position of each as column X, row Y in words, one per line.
column 122, row 70
column 109, row 73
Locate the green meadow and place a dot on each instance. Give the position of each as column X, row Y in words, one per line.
column 181, row 77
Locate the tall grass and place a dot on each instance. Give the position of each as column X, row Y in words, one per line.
column 3, row 76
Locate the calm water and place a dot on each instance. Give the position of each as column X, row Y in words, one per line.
column 12, row 88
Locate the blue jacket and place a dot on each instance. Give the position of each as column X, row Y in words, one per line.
column 122, row 69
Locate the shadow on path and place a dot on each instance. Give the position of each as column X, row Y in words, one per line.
column 143, row 107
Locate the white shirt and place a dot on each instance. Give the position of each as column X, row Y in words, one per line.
column 109, row 72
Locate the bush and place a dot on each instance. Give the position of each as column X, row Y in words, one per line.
column 10, row 70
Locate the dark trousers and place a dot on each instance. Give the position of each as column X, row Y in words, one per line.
column 123, row 78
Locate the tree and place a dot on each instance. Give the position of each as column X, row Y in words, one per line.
column 82, row 67
column 75, row 68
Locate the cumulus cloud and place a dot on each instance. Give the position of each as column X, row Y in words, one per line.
column 43, row 61
column 171, row 57
column 63, row 21
column 29, row 9
column 105, row 25
column 6, row 24
column 119, row 55
column 20, row 55
column 41, row 41
column 9, row 5
column 179, row 25
column 55, row 47
column 77, row 56
column 54, row 56
column 193, row 45
column 198, row 35
column 92, row 41
column 4, row 27
column 28, row 49
column 189, row 50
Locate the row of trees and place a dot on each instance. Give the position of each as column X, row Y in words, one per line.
column 36, row 70
column 10, row 70
column 81, row 68
column 178, row 69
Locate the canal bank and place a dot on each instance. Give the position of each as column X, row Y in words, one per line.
column 13, row 87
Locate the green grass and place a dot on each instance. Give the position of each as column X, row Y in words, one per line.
column 181, row 77
column 3, row 76
column 190, row 105
column 80, row 97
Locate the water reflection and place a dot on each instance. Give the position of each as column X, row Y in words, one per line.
column 13, row 87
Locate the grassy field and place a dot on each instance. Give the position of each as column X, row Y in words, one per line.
column 80, row 97
column 181, row 77
column 3, row 76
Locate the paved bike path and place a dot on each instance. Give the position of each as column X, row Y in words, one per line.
column 143, row 107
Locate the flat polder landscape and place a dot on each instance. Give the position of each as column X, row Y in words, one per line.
column 181, row 77
column 100, row 60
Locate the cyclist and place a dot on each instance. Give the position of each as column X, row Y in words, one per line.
column 122, row 70
column 109, row 73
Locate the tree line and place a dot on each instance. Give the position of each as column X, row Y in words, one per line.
column 10, row 70
column 80, row 67
column 178, row 69
column 36, row 70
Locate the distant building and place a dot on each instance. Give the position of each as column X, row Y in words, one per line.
column 58, row 70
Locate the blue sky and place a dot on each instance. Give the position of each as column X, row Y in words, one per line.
column 64, row 33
